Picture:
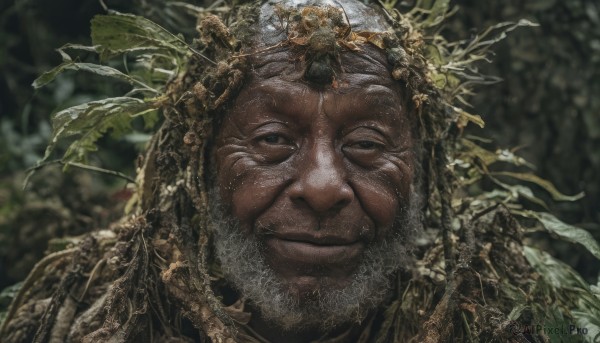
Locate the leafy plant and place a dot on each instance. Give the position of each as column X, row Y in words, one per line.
column 157, row 58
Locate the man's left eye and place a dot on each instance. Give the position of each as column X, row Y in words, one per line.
column 368, row 145
column 364, row 152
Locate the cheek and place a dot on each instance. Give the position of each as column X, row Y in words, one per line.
column 249, row 189
column 383, row 193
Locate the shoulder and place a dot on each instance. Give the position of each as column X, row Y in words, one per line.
column 52, row 291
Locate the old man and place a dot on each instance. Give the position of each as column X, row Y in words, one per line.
column 282, row 201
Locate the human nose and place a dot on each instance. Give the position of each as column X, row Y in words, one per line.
column 322, row 181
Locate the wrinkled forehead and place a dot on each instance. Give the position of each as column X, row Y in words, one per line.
column 360, row 69
column 361, row 17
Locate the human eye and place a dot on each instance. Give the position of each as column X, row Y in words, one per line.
column 274, row 139
column 364, row 146
column 273, row 144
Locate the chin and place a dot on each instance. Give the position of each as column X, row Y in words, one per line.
column 306, row 288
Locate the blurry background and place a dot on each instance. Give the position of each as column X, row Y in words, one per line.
column 547, row 108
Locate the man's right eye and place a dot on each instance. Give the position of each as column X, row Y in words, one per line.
column 274, row 147
column 274, row 139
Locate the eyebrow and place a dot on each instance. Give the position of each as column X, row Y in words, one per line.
column 377, row 94
column 271, row 91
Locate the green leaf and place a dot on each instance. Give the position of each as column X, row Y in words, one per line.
column 588, row 315
column 571, row 293
column 520, row 191
column 508, row 156
column 66, row 56
column 150, row 119
column 438, row 9
column 565, row 231
column 545, row 184
column 498, row 32
column 516, row 312
column 92, row 120
column 97, row 69
column 117, row 33
column 556, row 273
column 465, row 117
column 474, row 151
column 49, row 76
column 471, row 150
column 590, row 322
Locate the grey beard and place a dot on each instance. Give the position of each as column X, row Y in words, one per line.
column 244, row 266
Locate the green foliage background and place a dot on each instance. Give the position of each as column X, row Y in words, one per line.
column 547, row 106
column 548, row 103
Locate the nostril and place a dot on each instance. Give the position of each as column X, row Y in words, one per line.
column 339, row 205
column 324, row 198
column 346, row 194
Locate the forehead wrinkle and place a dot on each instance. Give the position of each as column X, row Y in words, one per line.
column 274, row 63
column 273, row 97
column 274, row 89
column 350, row 79
column 262, row 99
column 379, row 95
column 285, row 63
column 368, row 61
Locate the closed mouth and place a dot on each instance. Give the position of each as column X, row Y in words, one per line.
column 320, row 240
column 313, row 251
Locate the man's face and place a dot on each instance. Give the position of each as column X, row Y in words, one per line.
column 317, row 177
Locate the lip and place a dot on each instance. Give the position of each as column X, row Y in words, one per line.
column 307, row 250
column 320, row 240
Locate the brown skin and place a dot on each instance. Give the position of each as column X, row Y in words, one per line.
column 316, row 173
